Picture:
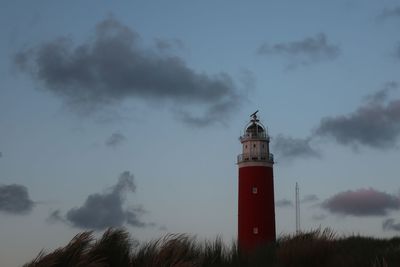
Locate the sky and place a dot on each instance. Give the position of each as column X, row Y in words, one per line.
column 128, row 113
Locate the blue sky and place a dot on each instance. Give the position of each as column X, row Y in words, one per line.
column 135, row 108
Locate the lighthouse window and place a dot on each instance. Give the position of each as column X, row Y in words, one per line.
column 255, row 230
column 254, row 145
column 245, row 146
column 254, row 190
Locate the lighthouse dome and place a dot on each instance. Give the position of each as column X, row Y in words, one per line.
column 255, row 128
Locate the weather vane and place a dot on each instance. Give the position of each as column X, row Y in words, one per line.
column 254, row 116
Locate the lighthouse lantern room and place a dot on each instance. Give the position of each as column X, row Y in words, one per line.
column 256, row 209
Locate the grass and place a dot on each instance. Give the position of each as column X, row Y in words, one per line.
column 319, row 248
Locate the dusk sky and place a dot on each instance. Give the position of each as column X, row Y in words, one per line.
column 128, row 113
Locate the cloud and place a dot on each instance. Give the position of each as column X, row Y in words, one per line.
column 381, row 95
column 56, row 216
column 362, row 202
column 304, row 52
column 375, row 123
column 115, row 139
column 284, row 203
column 113, row 66
column 310, row 198
column 389, row 13
column 1, row 154
column 103, row 210
column 14, row 199
column 288, row 147
column 391, row 225
column 216, row 113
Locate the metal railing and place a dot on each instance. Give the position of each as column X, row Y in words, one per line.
column 255, row 157
column 248, row 136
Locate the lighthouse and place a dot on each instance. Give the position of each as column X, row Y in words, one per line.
column 256, row 207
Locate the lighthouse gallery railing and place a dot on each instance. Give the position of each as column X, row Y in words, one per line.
column 255, row 157
column 250, row 135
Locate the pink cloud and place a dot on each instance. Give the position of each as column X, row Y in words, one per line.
column 362, row 202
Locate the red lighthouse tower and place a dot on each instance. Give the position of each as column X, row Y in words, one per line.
column 256, row 220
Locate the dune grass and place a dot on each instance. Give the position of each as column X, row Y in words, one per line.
column 317, row 248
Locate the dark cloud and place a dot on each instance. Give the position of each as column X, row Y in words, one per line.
column 288, row 147
column 310, row 198
column 304, row 52
column 375, row 123
column 56, row 216
column 362, row 202
column 391, row 225
column 115, row 139
column 381, row 95
column 15, row 199
column 284, row 203
column 103, row 210
column 112, row 67
column 216, row 113
column 390, row 13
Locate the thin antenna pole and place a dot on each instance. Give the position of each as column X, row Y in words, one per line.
column 297, row 210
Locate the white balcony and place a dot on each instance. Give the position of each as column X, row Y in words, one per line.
column 254, row 136
column 255, row 157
